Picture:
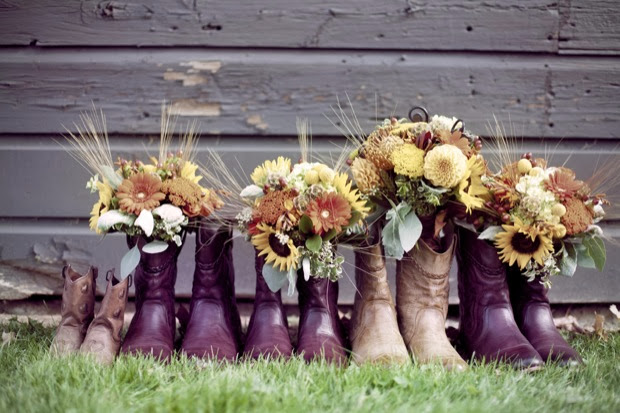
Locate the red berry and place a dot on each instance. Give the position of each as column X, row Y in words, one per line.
column 505, row 217
column 266, row 188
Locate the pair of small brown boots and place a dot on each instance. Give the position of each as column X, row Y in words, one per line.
column 80, row 330
column 422, row 300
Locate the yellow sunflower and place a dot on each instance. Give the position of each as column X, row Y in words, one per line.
column 267, row 243
column 102, row 205
column 281, row 166
column 343, row 186
column 517, row 246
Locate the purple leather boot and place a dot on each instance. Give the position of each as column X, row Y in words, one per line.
column 267, row 334
column 152, row 328
column 488, row 329
column 214, row 328
column 321, row 333
column 533, row 314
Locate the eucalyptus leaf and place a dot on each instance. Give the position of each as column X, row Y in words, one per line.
column 329, row 235
column 596, row 250
column 111, row 176
column 292, row 281
column 129, row 262
column 305, row 224
column 583, row 259
column 306, row 267
column 490, row 232
column 155, row 247
column 568, row 263
column 274, row 278
column 409, row 231
column 251, row 191
column 314, row 243
column 391, row 238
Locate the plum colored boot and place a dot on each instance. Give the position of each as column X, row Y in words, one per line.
column 320, row 330
column 374, row 333
column 77, row 310
column 533, row 314
column 267, row 334
column 488, row 329
column 214, row 327
column 152, row 328
column 422, row 291
column 103, row 339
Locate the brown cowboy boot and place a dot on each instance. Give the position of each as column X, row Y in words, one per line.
column 103, row 339
column 77, row 310
column 422, row 291
column 374, row 333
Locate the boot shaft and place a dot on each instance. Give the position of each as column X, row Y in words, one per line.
column 371, row 275
column 155, row 276
column 112, row 311
column 78, row 296
column 214, row 275
column 317, row 293
column 263, row 292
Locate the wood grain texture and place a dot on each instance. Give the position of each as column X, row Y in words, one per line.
column 262, row 92
column 589, row 27
column 525, row 25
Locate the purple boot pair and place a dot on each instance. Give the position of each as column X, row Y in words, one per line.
column 320, row 332
column 503, row 316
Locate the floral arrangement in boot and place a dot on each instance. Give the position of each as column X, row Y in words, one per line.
column 157, row 199
column 543, row 220
column 413, row 167
column 296, row 215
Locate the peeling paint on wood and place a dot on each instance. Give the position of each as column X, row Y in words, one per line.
column 192, row 107
column 257, row 121
column 207, row 66
column 185, row 79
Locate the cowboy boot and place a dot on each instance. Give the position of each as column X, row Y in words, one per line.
column 267, row 334
column 488, row 329
column 374, row 333
column 533, row 314
column 214, row 328
column 103, row 338
column 320, row 330
column 152, row 328
column 77, row 310
column 422, row 291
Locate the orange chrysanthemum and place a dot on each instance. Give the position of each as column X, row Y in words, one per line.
column 563, row 184
column 577, row 217
column 330, row 211
column 274, row 205
column 138, row 192
column 185, row 194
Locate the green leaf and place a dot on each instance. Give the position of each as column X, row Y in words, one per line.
column 583, row 259
column 329, row 235
column 568, row 263
column 409, row 231
column 390, row 236
column 314, row 243
column 111, row 176
column 305, row 224
column 129, row 262
column 355, row 218
column 595, row 247
column 274, row 278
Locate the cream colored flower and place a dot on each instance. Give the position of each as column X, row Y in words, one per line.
column 445, row 166
column 366, row 175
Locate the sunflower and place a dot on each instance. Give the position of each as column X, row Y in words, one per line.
column 279, row 167
column 268, row 242
column 331, row 211
column 517, row 246
column 138, row 192
column 343, row 187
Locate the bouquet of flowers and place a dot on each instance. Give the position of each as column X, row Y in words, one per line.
column 543, row 219
column 413, row 167
column 157, row 200
column 295, row 217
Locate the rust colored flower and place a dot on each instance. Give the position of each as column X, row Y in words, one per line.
column 138, row 192
column 330, row 211
column 185, row 194
column 210, row 202
column 563, row 184
column 274, row 205
column 577, row 217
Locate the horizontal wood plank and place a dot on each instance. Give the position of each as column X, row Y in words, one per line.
column 589, row 27
column 262, row 92
column 525, row 25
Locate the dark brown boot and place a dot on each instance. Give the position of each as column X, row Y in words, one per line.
column 103, row 339
column 533, row 314
column 152, row 328
column 77, row 310
column 214, row 327
column 268, row 330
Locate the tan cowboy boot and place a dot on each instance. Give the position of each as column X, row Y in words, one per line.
column 374, row 330
column 422, row 300
column 77, row 310
column 103, row 338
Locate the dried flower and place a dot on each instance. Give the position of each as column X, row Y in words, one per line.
column 563, row 184
column 366, row 175
column 578, row 216
column 379, row 151
column 185, row 194
column 139, row 191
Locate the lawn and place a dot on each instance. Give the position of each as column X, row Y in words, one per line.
column 31, row 380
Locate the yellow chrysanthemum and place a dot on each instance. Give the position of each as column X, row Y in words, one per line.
column 281, row 166
column 517, row 246
column 188, row 171
column 408, row 160
column 445, row 166
column 343, row 184
column 266, row 242
column 471, row 188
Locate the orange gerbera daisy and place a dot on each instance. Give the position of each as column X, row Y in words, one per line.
column 138, row 192
column 329, row 211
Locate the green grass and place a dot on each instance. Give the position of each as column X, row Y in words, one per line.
column 32, row 380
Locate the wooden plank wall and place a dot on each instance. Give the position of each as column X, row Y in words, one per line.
column 549, row 70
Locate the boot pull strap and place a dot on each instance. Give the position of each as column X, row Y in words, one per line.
column 109, row 274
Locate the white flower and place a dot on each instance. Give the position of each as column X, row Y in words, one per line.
column 110, row 218
column 92, row 184
column 170, row 214
column 439, row 122
column 146, row 222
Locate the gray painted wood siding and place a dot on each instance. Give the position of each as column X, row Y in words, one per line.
column 246, row 70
